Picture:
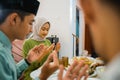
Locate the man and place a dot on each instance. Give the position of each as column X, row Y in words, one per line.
column 16, row 18
column 103, row 18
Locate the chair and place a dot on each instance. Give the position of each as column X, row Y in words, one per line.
column 17, row 50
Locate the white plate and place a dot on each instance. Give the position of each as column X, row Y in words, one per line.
column 78, row 57
column 36, row 73
column 100, row 70
column 54, row 76
column 93, row 79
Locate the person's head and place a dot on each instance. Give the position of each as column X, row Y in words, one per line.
column 17, row 16
column 103, row 18
column 40, row 28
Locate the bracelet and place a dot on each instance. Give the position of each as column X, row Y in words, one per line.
column 27, row 61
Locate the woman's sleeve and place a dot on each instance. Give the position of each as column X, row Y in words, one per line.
column 26, row 48
column 48, row 42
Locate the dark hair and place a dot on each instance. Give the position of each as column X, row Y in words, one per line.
column 5, row 13
column 115, row 4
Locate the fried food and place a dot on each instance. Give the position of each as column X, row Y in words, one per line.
column 85, row 59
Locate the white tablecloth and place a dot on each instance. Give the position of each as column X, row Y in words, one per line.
column 36, row 73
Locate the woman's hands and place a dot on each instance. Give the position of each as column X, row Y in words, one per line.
column 57, row 47
column 38, row 52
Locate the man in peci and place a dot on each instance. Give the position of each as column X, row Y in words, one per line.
column 16, row 18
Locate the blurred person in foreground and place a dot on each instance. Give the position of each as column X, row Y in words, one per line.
column 103, row 18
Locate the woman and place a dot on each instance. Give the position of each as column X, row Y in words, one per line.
column 40, row 31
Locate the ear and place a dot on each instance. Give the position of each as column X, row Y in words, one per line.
column 13, row 19
column 88, row 10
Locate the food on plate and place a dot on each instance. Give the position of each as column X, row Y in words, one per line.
column 93, row 67
column 87, row 60
column 91, row 62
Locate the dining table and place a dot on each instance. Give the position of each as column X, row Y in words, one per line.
column 54, row 76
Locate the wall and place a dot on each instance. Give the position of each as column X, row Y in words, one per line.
column 60, row 14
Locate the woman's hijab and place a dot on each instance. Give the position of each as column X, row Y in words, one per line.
column 39, row 22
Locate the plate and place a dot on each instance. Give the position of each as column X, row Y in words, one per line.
column 93, row 79
column 100, row 70
column 88, row 60
column 35, row 73
column 54, row 76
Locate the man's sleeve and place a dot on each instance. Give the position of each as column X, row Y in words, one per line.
column 21, row 66
column 5, row 73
